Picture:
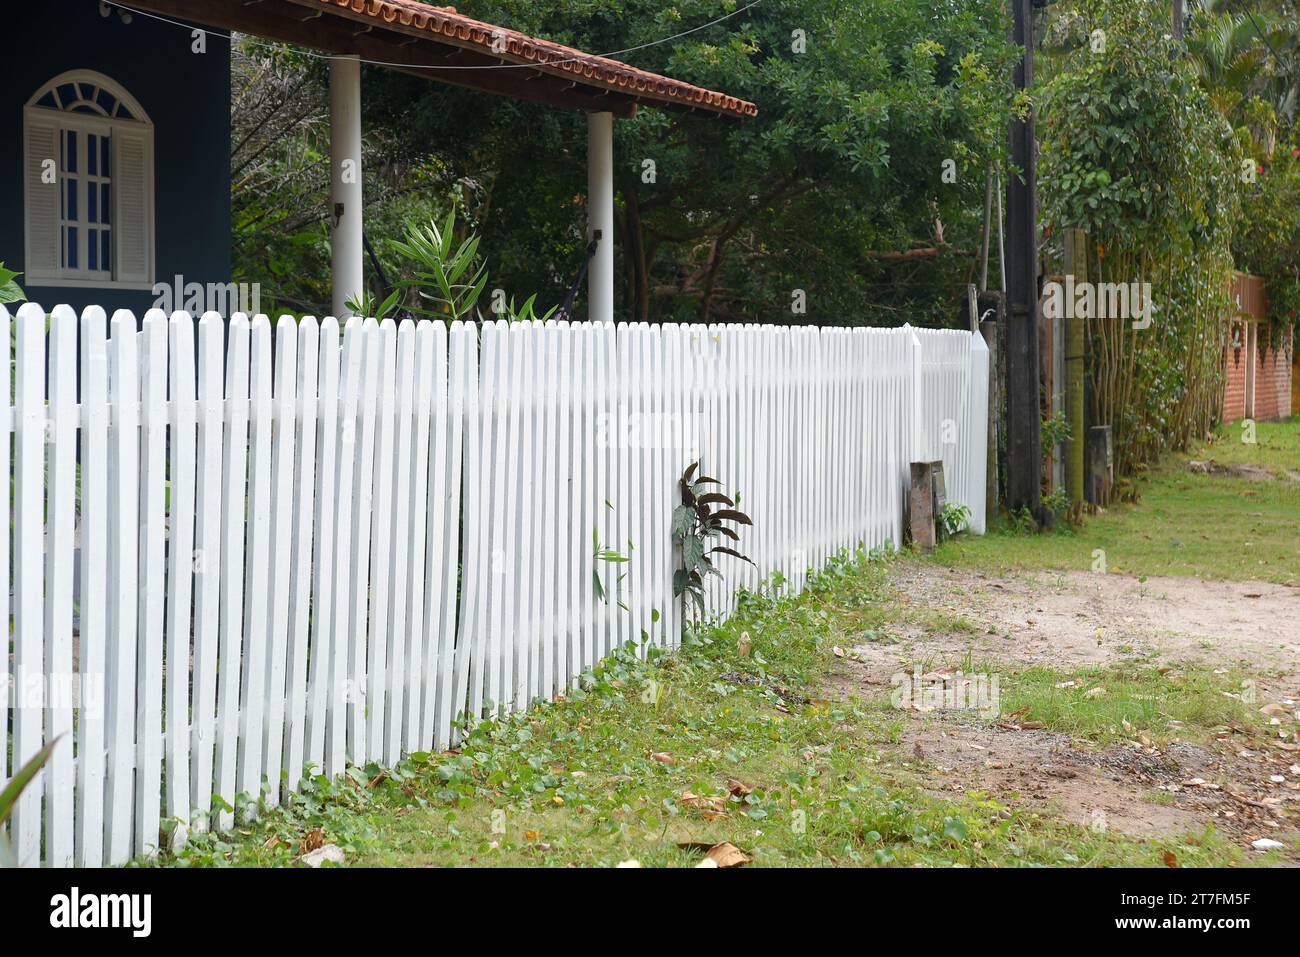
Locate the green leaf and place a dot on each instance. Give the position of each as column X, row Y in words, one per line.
column 9, row 796
column 954, row 828
column 683, row 520
column 10, row 291
column 692, row 553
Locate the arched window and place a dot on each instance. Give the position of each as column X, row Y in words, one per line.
column 88, row 156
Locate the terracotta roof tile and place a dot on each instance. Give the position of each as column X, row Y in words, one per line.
column 553, row 58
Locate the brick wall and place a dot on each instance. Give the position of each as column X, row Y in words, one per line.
column 1234, row 386
column 1295, row 376
column 1273, row 380
column 1272, row 368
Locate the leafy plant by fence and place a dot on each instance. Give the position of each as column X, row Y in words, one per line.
column 247, row 560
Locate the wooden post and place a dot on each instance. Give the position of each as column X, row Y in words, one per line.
column 989, row 330
column 1024, row 444
column 1101, row 468
column 1076, row 264
column 922, row 509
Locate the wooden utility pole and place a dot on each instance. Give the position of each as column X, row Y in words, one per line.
column 1178, row 19
column 1024, row 448
column 1076, row 265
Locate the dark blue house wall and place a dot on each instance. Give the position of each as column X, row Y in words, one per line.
column 186, row 95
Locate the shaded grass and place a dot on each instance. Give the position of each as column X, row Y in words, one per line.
column 1276, row 445
column 1124, row 702
column 606, row 775
column 1184, row 524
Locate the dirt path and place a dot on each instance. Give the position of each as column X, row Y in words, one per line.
column 1070, row 619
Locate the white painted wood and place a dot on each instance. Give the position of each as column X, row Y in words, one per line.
column 576, row 537
column 565, row 476
column 616, row 521
column 324, row 607
column 123, row 594
column 457, row 353
column 509, row 570
column 536, row 505
column 552, row 496
column 94, row 634
column 496, row 594
column 60, row 510
column 152, row 594
column 520, row 626
column 401, row 630
column 342, row 691
column 6, row 516
column 300, row 650
column 592, row 498
column 206, row 564
column 281, row 578
column 359, row 565
column 381, row 544
column 421, row 644
column 234, row 489
column 253, row 690
column 28, row 613
column 460, row 705
column 182, row 475
column 347, row 605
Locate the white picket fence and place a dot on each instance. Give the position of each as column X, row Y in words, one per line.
column 249, row 550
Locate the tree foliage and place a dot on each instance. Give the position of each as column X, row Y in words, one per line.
column 1134, row 152
column 860, row 105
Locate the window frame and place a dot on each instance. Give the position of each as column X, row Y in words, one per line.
column 65, row 119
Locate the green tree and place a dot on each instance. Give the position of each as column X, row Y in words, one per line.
column 837, row 188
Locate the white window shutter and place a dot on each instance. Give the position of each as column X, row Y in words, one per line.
column 41, row 199
column 133, row 228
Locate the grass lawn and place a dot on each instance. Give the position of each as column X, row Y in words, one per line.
column 1184, row 523
column 657, row 760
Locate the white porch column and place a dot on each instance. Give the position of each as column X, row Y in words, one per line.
column 600, row 215
column 345, row 181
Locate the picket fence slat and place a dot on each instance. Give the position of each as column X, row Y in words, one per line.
column 399, row 651
column 182, row 475
column 375, row 621
column 295, row 743
column 61, row 485
column 235, row 562
column 284, row 450
column 207, row 566
column 123, row 570
column 153, row 514
column 322, row 602
column 88, row 835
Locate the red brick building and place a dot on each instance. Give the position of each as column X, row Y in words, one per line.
column 1258, row 375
